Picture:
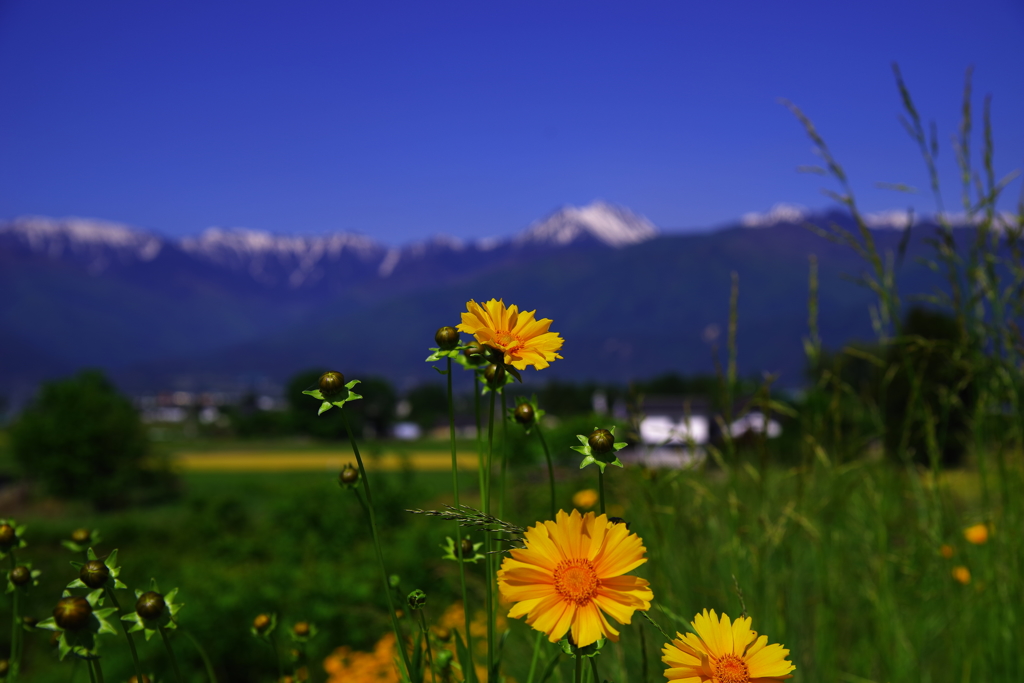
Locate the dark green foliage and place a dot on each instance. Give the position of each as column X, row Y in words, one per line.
column 370, row 416
column 428, row 405
column 82, row 439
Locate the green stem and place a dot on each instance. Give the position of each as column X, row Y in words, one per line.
column 124, row 626
column 15, row 630
column 479, row 434
column 202, row 653
column 643, row 655
column 593, row 669
column 471, row 674
column 99, row 670
column 600, row 487
column 277, row 653
column 504, row 456
column 551, row 469
column 426, row 635
column 92, row 672
column 489, row 593
column 533, row 660
column 376, row 543
column 578, row 677
column 170, row 653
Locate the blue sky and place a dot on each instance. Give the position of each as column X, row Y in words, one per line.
column 401, row 120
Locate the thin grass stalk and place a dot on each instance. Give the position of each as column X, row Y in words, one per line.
column 643, row 654
column 377, row 545
column 551, row 468
column 202, row 654
column 124, row 626
column 480, row 458
column 600, row 487
column 533, row 659
column 170, row 653
column 99, row 670
column 470, row 675
column 488, row 543
column 88, row 665
column 16, row 631
column 426, row 639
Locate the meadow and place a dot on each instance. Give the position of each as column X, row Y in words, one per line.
column 878, row 539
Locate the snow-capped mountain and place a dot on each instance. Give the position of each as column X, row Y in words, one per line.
column 614, row 226
column 97, row 243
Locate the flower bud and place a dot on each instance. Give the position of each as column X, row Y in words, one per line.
column 72, row 614
column 447, row 338
column 301, row 629
column 20, row 576
column 331, row 384
column 261, row 623
column 150, row 605
column 349, row 476
column 495, row 375
column 81, row 536
column 417, row 599
column 601, row 441
column 94, row 574
column 467, row 548
column 523, row 414
column 135, row 679
column 475, row 353
column 29, row 622
column 4, row 667
column 8, row 537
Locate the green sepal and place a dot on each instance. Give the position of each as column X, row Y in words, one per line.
column 19, row 530
column 111, row 562
column 509, row 378
column 437, row 353
column 537, row 412
column 164, row 621
column 94, row 539
column 23, row 590
column 337, row 403
column 589, row 651
column 265, row 635
column 303, row 639
column 602, row 460
column 83, row 641
column 451, row 552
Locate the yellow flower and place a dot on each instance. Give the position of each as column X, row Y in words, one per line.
column 571, row 574
column 523, row 340
column 725, row 652
column 946, row 550
column 962, row 574
column 586, row 499
column 977, row 534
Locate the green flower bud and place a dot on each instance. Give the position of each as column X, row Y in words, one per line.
column 261, row 623
column 150, row 605
column 467, row 547
column 81, row 536
column 495, row 375
column 20, row 576
column 94, row 574
column 417, row 599
column 301, row 629
column 349, row 476
column 447, row 338
column 72, row 614
column 524, row 413
column 601, row 441
column 475, row 353
column 8, row 537
column 331, row 384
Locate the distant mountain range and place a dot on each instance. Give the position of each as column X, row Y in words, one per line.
column 233, row 306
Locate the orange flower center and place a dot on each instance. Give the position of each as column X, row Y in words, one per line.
column 576, row 580
column 508, row 341
column 730, row 669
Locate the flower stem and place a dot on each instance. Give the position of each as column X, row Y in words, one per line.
column 504, row 457
column 376, row 543
column 170, row 653
column 600, row 487
column 578, row 678
column 426, row 636
column 551, row 468
column 536, row 652
column 124, row 626
column 458, row 530
column 15, row 630
column 99, row 670
column 489, row 584
column 643, row 654
column 92, row 671
column 202, row 653
column 593, row 669
column 277, row 653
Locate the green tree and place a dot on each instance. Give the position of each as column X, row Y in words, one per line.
column 82, row 439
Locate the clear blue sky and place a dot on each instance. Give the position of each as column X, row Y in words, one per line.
column 404, row 119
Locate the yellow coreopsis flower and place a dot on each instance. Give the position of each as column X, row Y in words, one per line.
column 977, row 534
column 725, row 652
column 585, row 498
column 572, row 573
column 962, row 575
column 518, row 335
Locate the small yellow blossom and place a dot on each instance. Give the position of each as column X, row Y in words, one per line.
column 724, row 651
column 977, row 534
column 585, row 499
column 962, row 574
column 519, row 336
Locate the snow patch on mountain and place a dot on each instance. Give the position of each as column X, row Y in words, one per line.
column 612, row 225
column 780, row 213
column 96, row 241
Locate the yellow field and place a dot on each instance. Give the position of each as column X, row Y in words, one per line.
column 298, row 461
